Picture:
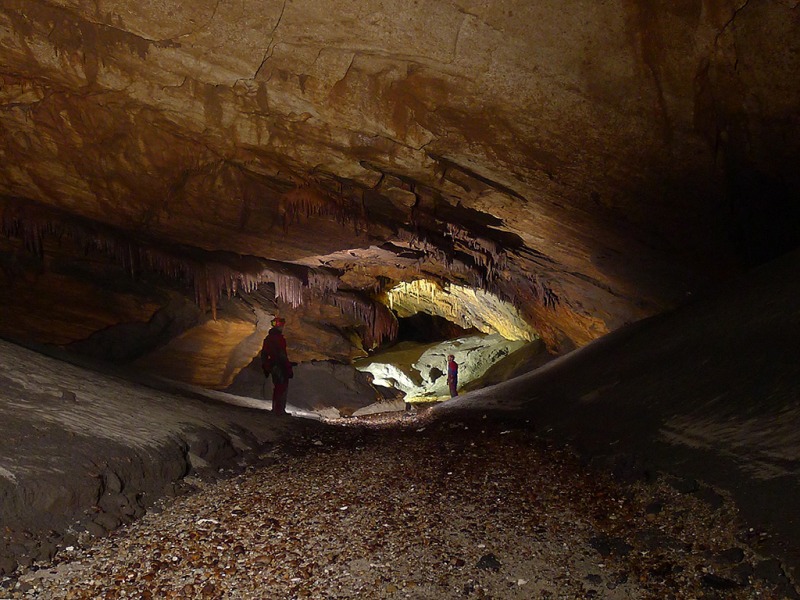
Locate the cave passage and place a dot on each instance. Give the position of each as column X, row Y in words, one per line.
column 416, row 363
column 425, row 328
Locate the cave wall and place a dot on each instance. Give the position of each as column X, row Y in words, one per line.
column 592, row 162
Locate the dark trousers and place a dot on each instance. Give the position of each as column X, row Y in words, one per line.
column 453, row 383
column 279, row 393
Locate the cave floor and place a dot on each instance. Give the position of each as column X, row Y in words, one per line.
column 412, row 507
column 661, row 461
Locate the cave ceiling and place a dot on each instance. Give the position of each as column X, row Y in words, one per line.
column 589, row 162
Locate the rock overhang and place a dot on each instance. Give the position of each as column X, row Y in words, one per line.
column 573, row 161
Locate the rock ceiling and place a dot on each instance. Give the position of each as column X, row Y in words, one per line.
column 589, row 162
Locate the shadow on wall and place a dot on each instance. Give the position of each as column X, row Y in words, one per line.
column 766, row 215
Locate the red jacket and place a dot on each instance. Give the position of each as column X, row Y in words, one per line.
column 452, row 370
column 274, row 360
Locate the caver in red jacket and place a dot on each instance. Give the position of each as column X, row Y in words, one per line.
column 275, row 363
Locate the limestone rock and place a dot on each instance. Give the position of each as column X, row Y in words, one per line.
column 591, row 164
column 419, row 371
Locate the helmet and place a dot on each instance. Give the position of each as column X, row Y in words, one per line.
column 278, row 322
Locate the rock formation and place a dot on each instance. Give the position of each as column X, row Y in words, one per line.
column 589, row 163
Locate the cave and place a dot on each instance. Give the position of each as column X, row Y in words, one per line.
column 607, row 191
column 424, row 328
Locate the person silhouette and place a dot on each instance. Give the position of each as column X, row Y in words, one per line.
column 452, row 375
column 275, row 363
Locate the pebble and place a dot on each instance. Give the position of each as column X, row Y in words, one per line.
column 517, row 519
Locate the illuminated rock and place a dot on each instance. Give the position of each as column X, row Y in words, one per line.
column 420, row 371
column 466, row 307
column 592, row 167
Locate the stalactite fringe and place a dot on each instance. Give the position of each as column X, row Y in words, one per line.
column 380, row 324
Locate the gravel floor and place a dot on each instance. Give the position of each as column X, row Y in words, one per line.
column 411, row 508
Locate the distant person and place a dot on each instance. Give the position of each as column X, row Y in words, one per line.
column 452, row 375
column 275, row 363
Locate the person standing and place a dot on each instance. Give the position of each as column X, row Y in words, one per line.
column 452, row 375
column 275, row 363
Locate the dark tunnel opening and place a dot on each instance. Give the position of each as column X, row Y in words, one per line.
column 425, row 329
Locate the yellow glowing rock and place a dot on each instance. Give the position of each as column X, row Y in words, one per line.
column 467, row 307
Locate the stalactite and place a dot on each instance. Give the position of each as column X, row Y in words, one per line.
column 426, row 293
column 378, row 322
column 550, row 298
column 544, row 294
column 323, row 281
column 384, row 325
column 310, row 199
column 487, row 257
column 212, row 275
column 22, row 222
column 306, row 201
column 289, row 289
column 199, row 292
column 487, row 253
column 209, row 278
column 383, row 283
column 209, row 282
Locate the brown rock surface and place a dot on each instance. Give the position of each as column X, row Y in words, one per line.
column 677, row 480
column 593, row 162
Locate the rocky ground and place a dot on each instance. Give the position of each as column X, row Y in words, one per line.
column 662, row 461
column 416, row 507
